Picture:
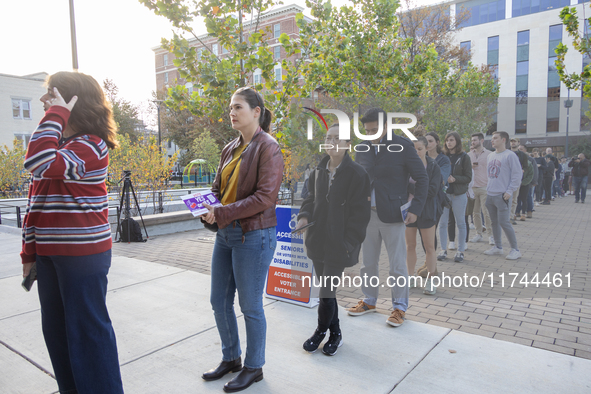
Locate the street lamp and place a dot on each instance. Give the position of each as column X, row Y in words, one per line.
column 567, row 104
column 158, row 102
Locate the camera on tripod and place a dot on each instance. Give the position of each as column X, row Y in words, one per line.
column 128, row 229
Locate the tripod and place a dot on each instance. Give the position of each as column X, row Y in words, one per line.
column 125, row 208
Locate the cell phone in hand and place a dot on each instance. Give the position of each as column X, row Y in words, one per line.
column 30, row 279
column 299, row 230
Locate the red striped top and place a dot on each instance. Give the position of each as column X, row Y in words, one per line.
column 67, row 212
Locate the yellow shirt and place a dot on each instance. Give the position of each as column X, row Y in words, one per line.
column 230, row 186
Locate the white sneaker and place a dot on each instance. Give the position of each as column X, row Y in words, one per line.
column 477, row 238
column 472, row 226
column 537, row 204
column 452, row 246
column 491, row 240
column 494, row 251
column 513, row 255
column 429, row 289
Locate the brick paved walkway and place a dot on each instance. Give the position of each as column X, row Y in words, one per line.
column 556, row 240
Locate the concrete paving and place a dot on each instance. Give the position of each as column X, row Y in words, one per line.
column 167, row 337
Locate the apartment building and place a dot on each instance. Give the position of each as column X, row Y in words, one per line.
column 20, row 108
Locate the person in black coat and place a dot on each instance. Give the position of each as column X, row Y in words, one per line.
column 427, row 220
column 548, row 179
column 339, row 207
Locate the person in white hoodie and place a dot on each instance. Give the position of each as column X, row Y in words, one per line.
column 504, row 177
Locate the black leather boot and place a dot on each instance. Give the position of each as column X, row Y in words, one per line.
column 244, row 379
column 222, row 369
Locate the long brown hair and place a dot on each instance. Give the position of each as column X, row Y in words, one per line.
column 92, row 113
column 255, row 99
column 458, row 148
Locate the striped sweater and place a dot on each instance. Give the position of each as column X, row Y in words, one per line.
column 67, row 211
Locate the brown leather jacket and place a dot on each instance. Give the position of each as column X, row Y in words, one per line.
column 259, row 179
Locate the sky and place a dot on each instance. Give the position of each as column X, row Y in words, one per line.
column 114, row 40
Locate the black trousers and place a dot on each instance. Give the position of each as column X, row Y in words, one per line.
column 547, row 189
column 523, row 193
column 328, row 309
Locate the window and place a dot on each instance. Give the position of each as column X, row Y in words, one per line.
column 278, row 74
column 465, row 47
column 277, row 52
column 23, row 138
column 257, row 77
column 276, row 30
column 21, row 109
column 481, row 11
column 526, row 7
column 189, row 86
column 165, row 77
column 553, row 101
column 224, row 50
column 492, row 58
column 214, row 49
column 165, row 57
column 521, row 91
column 200, row 53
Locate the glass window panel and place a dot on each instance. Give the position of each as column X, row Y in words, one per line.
column 520, row 126
column 554, row 93
column 277, row 52
column 214, row 49
column 535, row 6
column 492, row 12
column 544, row 5
column 521, row 82
column 493, row 57
column 523, row 37
column 521, row 112
column 493, row 43
column 522, row 68
column 500, row 10
column 553, row 80
column 553, row 109
column 278, row 74
column 16, row 108
column 516, row 8
column 26, row 109
column 552, row 46
column 523, row 53
column 483, row 12
column 277, row 30
column 556, row 32
column 552, row 125
column 525, row 7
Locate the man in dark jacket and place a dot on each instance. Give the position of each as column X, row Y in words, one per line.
column 389, row 164
column 548, row 176
column 580, row 173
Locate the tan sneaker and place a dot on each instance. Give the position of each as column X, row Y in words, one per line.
column 361, row 309
column 422, row 271
column 396, row 318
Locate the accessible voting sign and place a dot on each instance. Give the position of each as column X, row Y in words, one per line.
column 291, row 272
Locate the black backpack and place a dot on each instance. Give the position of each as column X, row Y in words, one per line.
column 135, row 232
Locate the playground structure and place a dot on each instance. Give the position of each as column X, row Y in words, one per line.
column 202, row 173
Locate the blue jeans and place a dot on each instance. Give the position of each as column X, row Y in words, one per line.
column 243, row 266
column 555, row 187
column 458, row 206
column 530, row 199
column 580, row 185
column 76, row 324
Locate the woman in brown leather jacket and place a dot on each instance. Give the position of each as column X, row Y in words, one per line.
column 247, row 183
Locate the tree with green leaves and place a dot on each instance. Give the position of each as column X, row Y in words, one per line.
column 126, row 114
column 13, row 177
column 205, row 148
column 235, row 24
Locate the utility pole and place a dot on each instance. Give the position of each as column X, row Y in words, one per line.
column 73, row 37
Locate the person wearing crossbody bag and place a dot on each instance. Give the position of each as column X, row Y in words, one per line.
column 459, row 179
column 247, row 184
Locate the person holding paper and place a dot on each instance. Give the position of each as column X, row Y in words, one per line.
column 66, row 232
column 247, row 183
column 339, row 207
column 388, row 172
column 427, row 220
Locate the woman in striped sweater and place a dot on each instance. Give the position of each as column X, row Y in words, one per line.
column 66, row 232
